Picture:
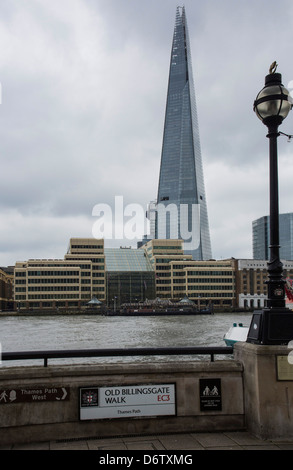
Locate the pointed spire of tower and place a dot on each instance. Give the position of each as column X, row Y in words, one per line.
column 181, row 185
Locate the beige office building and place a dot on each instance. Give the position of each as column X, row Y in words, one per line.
column 71, row 282
column 178, row 275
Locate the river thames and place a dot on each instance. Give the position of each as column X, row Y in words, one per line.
column 61, row 332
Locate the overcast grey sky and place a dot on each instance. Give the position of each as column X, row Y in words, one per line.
column 84, row 85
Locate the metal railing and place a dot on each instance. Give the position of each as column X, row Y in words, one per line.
column 90, row 353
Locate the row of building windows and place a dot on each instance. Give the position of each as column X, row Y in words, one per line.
column 180, row 266
column 58, row 281
column 93, row 260
column 51, row 288
column 67, row 280
column 55, row 265
column 52, row 296
column 53, row 273
column 167, row 247
column 210, row 273
column 83, row 247
column 58, row 289
column 46, row 296
column 220, row 294
column 215, row 280
column 196, row 287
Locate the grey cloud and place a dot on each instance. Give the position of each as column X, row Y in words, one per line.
column 84, row 90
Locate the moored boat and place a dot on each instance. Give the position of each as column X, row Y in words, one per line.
column 158, row 307
column 157, row 312
column 236, row 333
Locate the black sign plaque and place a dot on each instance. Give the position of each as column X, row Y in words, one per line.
column 210, row 395
column 38, row 394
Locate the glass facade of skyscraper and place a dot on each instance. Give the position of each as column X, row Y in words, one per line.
column 261, row 237
column 181, row 202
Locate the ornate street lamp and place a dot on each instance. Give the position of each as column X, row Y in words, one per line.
column 274, row 324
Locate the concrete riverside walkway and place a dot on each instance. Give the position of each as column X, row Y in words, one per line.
column 173, row 442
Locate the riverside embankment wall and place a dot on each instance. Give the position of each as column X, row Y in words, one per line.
column 98, row 400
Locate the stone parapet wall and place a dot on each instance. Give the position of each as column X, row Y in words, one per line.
column 44, row 403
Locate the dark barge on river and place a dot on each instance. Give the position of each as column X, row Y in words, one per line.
column 159, row 307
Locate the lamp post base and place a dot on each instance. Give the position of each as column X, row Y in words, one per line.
column 271, row 326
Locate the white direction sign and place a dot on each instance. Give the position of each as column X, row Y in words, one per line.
column 127, row 401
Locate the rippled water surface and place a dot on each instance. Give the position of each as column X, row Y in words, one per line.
column 93, row 332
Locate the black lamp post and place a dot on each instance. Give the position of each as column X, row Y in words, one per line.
column 274, row 324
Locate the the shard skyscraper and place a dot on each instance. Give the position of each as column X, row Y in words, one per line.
column 181, row 201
